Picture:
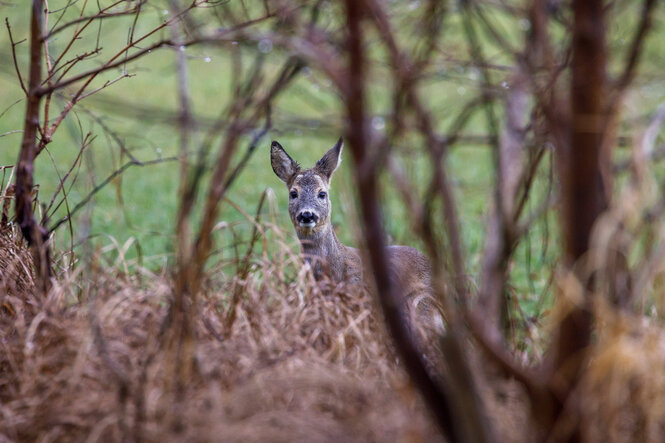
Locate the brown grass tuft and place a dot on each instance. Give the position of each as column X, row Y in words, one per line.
column 15, row 262
column 302, row 361
column 624, row 387
column 299, row 361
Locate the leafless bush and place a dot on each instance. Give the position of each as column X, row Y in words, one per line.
column 550, row 100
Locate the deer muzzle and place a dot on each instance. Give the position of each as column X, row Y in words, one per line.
column 307, row 219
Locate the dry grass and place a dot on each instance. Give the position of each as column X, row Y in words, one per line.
column 302, row 361
column 16, row 276
column 624, row 390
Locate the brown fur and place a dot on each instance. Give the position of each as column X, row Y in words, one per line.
column 322, row 249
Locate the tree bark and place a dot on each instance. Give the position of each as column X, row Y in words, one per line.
column 33, row 232
column 585, row 194
column 448, row 404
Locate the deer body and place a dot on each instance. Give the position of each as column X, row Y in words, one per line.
column 309, row 209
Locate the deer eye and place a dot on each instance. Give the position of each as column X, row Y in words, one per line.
column 293, row 194
column 322, row 195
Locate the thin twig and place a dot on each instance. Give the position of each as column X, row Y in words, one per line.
column 18, row 71
column 105, row 182
column 88, row 19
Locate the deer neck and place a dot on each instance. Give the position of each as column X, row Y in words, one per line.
column 322, row 248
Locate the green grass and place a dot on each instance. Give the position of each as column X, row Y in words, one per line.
column 141, row 204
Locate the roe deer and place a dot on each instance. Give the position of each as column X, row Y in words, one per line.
column 309, row 209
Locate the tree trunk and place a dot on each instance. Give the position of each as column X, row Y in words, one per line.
column 34, row 233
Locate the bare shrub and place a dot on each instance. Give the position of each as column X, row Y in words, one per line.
column 264, row 352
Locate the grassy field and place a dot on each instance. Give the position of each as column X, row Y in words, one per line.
column 142, row 109
column 136, row 211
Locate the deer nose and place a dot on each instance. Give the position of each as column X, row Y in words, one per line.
column 307, row 217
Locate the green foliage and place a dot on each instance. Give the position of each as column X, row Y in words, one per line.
column 142, row 111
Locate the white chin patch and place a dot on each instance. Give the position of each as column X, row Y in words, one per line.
column 309, row 225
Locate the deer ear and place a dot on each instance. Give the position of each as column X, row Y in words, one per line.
column 331, row 160
column 283, row 165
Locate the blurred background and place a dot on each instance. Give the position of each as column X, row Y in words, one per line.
column 142, row 113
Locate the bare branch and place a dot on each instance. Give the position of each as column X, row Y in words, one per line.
column 492, row 343
column 17, row 131
column 34, row 233
column 75, row 37
column 633, row 55
column 102, row 14
column 441, row 401
column 114, row 135
column 61, row 185
column 11, row 40
column 243, row 271
column 105, row 182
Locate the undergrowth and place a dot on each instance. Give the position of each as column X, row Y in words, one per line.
column 291, row 360
column 300, row 361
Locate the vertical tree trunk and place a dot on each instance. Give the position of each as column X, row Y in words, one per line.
column 33, row 232
column 180, row 338
column 585, row 195
column 499, row 235
column 448, row 404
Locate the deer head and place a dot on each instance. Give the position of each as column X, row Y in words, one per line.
column 309, row 203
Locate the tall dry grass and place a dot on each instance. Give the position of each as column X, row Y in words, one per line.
column 298, row 360
column 301, row 360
